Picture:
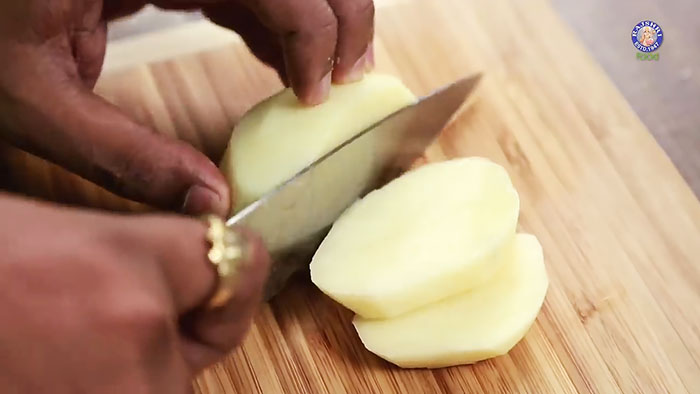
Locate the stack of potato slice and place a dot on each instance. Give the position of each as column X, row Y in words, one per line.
column 431, row 263
column 433, row 267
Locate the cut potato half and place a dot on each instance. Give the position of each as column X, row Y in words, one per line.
column 434, row 232
column 279, row 137
column 485, row 322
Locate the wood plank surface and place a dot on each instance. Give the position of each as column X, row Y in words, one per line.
column 619, row 226
column 664, row 94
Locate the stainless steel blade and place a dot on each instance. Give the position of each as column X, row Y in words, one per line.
column 293, row 218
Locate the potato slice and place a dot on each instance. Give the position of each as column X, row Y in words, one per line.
column 485, row 322
column 279, row 137
column 436, row 231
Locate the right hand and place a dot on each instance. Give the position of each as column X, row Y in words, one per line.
column 102, row 303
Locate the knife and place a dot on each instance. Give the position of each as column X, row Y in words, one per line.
column 294, row 217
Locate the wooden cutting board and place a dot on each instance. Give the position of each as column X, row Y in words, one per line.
column 619, row 227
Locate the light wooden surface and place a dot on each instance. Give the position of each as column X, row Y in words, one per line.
column 619, row 227
column 664, row 94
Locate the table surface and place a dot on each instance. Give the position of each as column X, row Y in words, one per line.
column 618, row 225
column 665, row 94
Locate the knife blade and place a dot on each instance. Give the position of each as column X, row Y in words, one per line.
column 294, row 217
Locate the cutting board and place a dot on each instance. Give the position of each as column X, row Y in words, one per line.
column 619, row 227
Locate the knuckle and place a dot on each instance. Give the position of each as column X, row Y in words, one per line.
column 156, row 170
column 327, row 24
column 249, row 290
column 259, row 260
column 322, row 21
column 361, row 10
column 144, row 320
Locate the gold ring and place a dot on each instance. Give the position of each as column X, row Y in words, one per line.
column 227, row 255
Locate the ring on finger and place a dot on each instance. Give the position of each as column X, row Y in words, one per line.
column 227, row 254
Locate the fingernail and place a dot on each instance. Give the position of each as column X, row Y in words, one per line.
column 201, row 200
column 356, row 72
column 369, row 56
column 321, row 91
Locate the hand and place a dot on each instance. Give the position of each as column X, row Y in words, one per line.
column 309, row 42
column 95, row 303
column 52, row 52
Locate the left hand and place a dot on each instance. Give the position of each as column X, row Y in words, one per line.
column 309, row 42
column 52, row 51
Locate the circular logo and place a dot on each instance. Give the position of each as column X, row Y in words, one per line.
column 647, row 36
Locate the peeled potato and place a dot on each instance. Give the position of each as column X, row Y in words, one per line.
column 434, row 232
column 479, row 324
column 279, row 137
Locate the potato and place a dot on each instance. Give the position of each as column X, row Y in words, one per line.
column 434, row 232
column 479, row 324
column 279, row 137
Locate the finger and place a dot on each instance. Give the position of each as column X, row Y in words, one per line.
column 117, row 9
column 355, row 32
column 309, row 30
column 57, row 118
column 120, row 8
column 222, row 329
column 369, row 56
column 89, row 52
column 180, row 273
column 180, row 246
column 262, row 42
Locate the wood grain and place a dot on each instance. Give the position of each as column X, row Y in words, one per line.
column 664, row 94
column 619, row 226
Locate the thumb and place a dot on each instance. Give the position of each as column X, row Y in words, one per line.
column 73, row 127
